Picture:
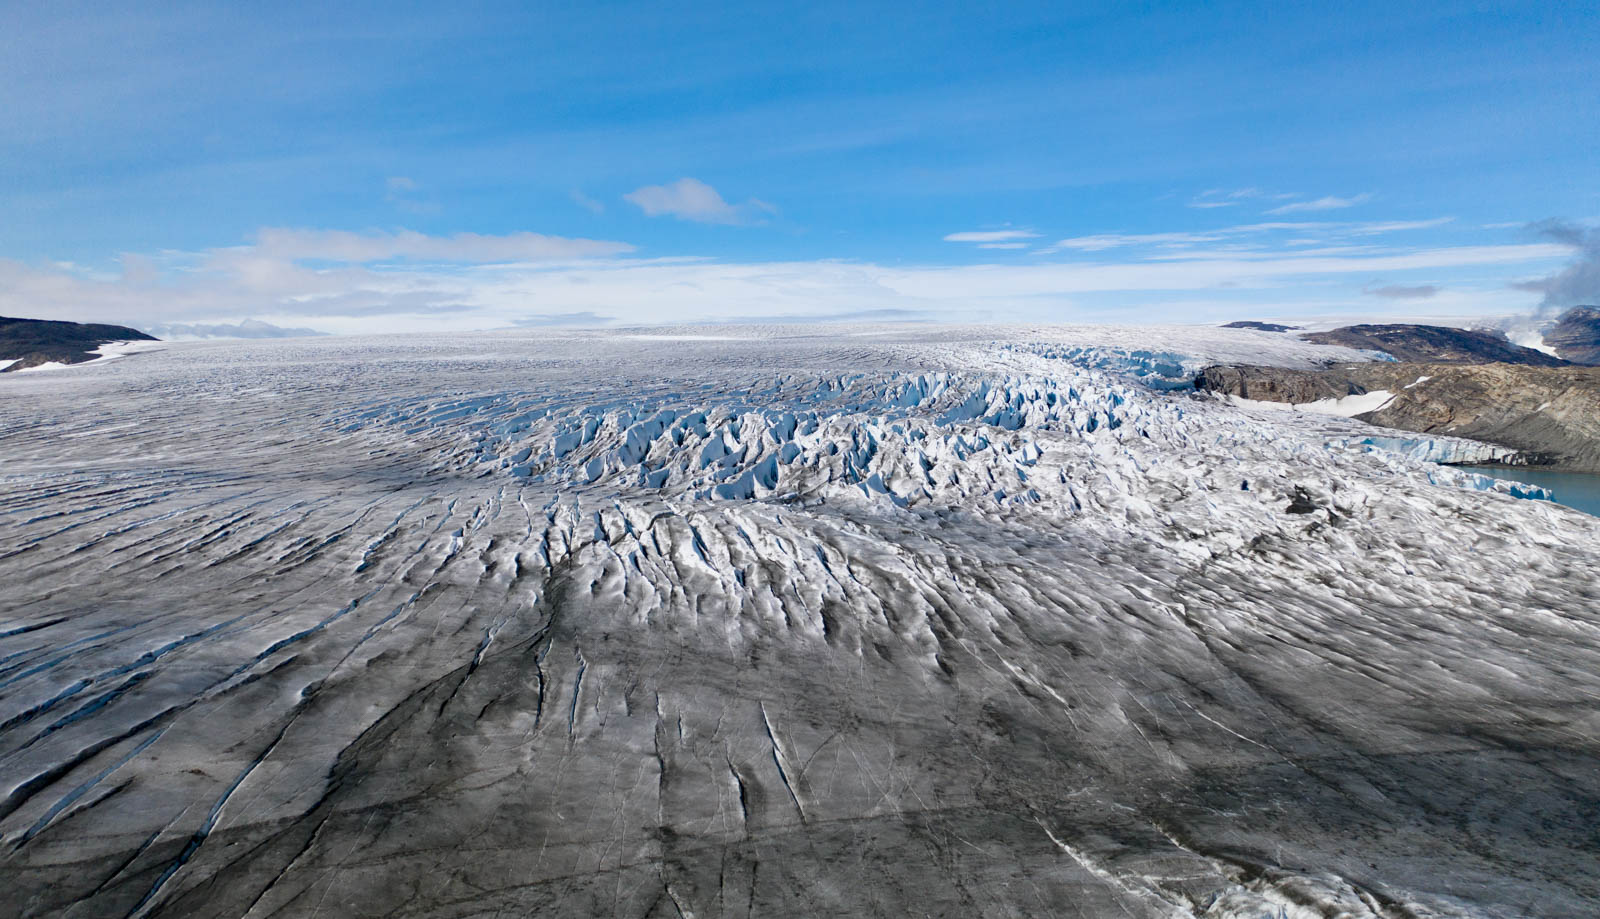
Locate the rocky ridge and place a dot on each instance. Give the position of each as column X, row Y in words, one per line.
column 1576, row 335
column 1550, row 414
column 1438, row 344
column 26, row 343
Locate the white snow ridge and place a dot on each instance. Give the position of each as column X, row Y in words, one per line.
column 775, row 621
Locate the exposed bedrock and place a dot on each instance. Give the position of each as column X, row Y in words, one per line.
column 26, row 343
column 1435, row 344
column 1576, row 335
column 1550, row 414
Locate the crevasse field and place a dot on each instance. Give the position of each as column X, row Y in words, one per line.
column 774, row 621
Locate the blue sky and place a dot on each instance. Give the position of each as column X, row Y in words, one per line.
column 380, row 168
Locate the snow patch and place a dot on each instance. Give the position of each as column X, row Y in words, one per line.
column 1345, row 407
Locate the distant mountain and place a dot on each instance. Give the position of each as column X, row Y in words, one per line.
column 28, row 343
column 1260, row 326
column 1576, row 335
column 248, row 328
column 1435, row 344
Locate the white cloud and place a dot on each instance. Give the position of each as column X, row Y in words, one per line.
column 1002, row 245
column 990, row 236
column 692, row 199
column 1177, row 240
column 341, row 282
column 1328, row 203
column 1117, row 240
column 1298, row 226
column 1217, row 197
column 343, row 246
column 1395, row 226
column 955, row 283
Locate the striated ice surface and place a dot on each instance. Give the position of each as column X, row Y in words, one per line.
column 776, row 621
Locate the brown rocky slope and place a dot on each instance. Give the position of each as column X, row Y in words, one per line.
column 1552, row 414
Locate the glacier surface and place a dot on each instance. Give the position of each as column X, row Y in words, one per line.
column 952, row 621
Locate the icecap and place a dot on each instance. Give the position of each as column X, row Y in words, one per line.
column 936, row 621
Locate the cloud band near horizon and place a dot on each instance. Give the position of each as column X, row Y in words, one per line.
column 345, row 282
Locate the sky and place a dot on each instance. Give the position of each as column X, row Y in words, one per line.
column 356, row 168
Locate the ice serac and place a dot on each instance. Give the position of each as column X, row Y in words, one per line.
column 931, row 621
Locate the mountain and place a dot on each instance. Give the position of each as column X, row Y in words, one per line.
column 1435, row 344
column 1550, row 414
column 1260, row 326
column 1576, row 335
column 28, row 343
column 248, row 328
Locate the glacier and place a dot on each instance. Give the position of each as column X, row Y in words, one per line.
column 777, row 620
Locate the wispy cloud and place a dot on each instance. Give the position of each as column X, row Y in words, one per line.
column 587, row 203
column 343, row 246
column 401, row 191
column 1328, row 203
column 1237, row 236
column 1228, row 199
column 692, row 199
column 1104, row 241
column 1394, row 226
column 1217, row 197
column 990, row 236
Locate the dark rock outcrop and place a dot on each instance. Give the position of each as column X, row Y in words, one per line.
column 1260, row 326
column 1276, row 384
column 1435, row 344
column 1576, row 335
column 31, row 342
column 1551, row 414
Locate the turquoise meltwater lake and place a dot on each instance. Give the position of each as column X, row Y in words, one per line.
column 1579, row 490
